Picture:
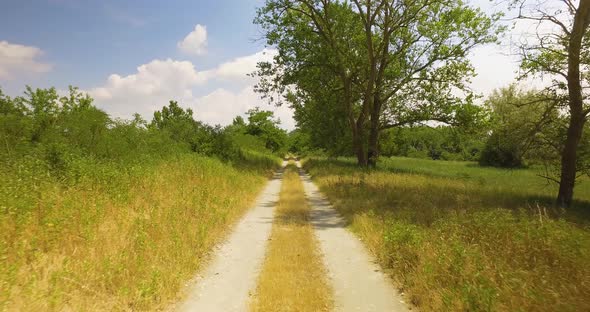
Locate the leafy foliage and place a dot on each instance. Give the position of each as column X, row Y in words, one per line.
column 521, row 124
column 501, row 151
column 352, row 69
column 261, row 124
column 60, row 130
column 437, row 143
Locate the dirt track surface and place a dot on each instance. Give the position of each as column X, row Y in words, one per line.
column 358, row 282
column 230, row 279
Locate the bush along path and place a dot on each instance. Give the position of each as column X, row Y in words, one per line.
column 308, row 261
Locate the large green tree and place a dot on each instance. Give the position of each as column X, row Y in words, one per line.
column 262, row 124
column 383, row 63
column 560, row 48
column 180, row 125
column 523, row 125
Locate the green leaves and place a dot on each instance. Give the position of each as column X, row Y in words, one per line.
column 391, row 62
column 61, row 132
column 523, row 125
column 261, row 124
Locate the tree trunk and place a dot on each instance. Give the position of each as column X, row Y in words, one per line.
column 577, row 117
column 359, row 147
column 568, row 162
column 373, row 150
column 357, row 126
column 367, row 105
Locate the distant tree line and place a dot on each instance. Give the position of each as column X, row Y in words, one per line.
column 60, row 132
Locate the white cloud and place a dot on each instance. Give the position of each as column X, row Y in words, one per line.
column 159, row 81
column 149, row 89
column 16, row 59
column 195, row 42
column 239, row 68
column 221, row 106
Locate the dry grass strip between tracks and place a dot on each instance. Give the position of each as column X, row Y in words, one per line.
column 293, row 277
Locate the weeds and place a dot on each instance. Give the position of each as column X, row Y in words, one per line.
column 462, row 238
column 115, row 238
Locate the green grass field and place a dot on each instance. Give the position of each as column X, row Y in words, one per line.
column 456, row 236
column 524, row 181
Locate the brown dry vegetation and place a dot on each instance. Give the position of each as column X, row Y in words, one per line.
column 458, row 237
column 127, row 243
column 293, row 276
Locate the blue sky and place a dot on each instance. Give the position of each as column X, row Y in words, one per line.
column 88, row 40
column 134, row 56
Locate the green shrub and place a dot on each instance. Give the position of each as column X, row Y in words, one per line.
column 499, row 152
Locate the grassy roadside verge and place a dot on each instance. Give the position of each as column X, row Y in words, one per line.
column 461, row 238
column 121, row 239
column 293, row 276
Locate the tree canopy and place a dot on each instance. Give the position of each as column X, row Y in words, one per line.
column 370, row 65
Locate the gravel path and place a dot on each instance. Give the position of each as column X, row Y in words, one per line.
column 358, row 283
column 226, row 283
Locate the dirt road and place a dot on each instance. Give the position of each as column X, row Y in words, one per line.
column 358, row 283
column 226, row 284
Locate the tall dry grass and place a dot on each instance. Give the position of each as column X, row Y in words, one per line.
column 457, row 237
column 293, row 277
column 125, row 242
